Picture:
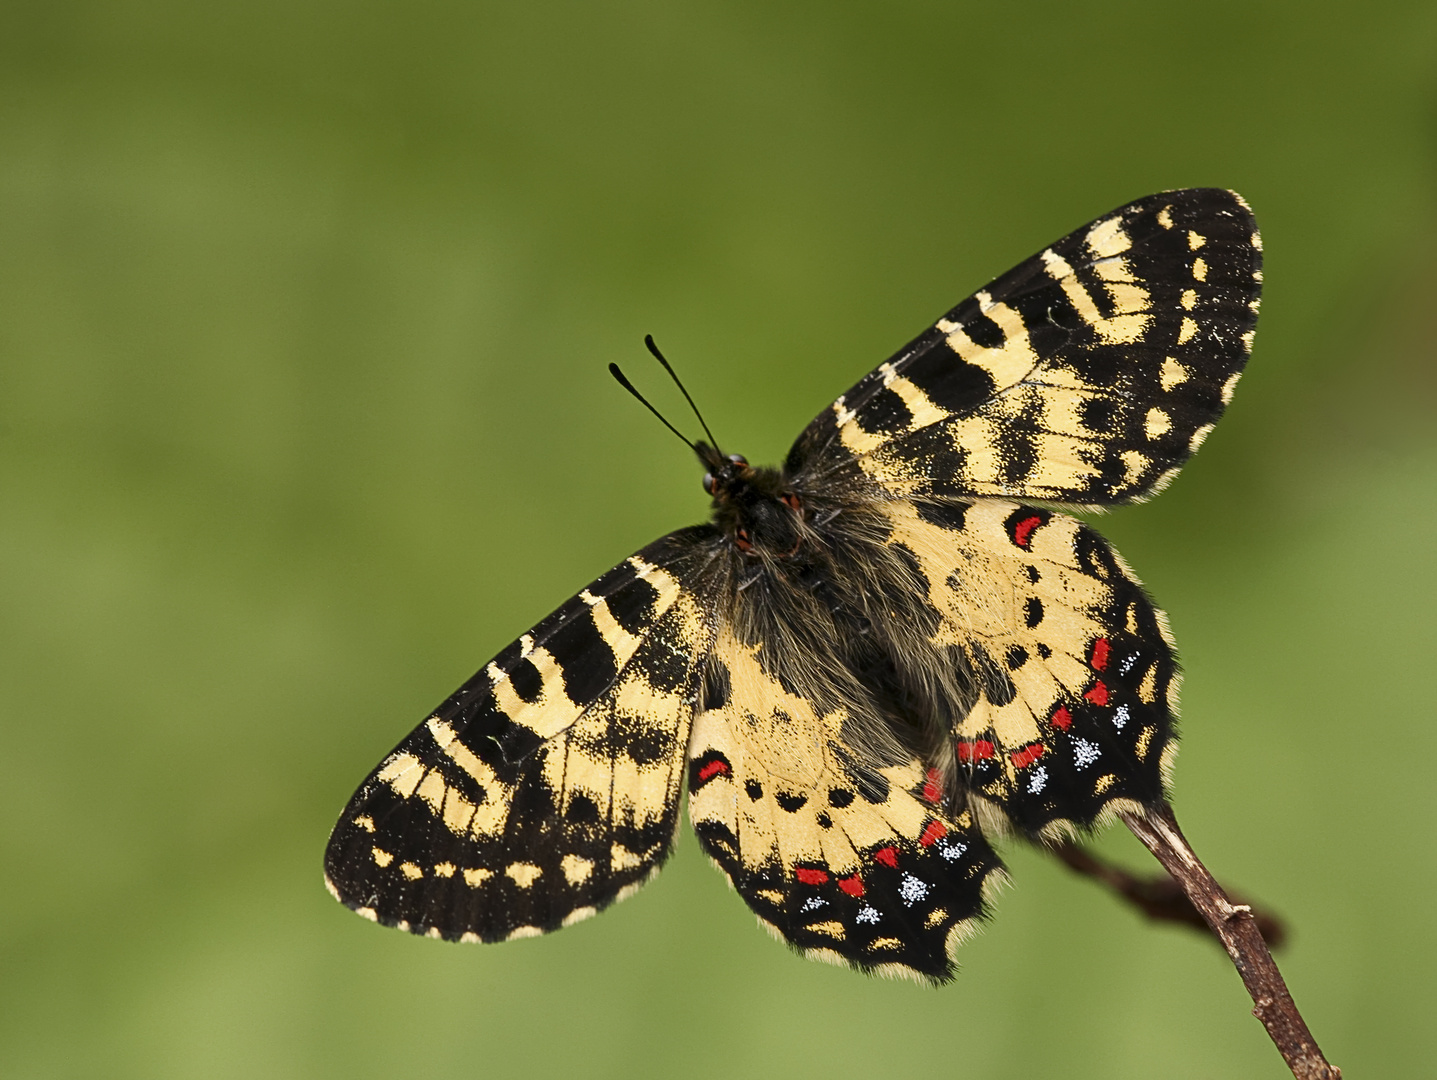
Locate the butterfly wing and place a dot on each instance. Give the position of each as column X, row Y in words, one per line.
column 847, row 863
column 548, row 785
column 1087, row 374
column 1074, row 670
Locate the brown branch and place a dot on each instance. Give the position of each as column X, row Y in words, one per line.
column 1160, row 898
column 1235, row 927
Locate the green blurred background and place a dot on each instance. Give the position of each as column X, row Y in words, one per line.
column 304, row 314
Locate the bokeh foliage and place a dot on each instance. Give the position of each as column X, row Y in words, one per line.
column 304, row 313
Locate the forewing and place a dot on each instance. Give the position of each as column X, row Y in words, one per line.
column 548, row 785
column 1074, row 670
column 847, row 864
column 1087, row 374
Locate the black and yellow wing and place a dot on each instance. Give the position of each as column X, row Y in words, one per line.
column 1074, row 677
column 848, row 862
column 929, row 660
column 1087, row 374
column 548, row 785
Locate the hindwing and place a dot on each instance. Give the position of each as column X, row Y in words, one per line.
column 1087, row 374
column 1076, row 684
column 848, row 862
column 548, row 785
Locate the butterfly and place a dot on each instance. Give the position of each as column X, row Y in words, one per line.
column 872, row 662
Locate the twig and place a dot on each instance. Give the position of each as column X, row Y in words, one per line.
column 1161, row 898
column 1234, row 926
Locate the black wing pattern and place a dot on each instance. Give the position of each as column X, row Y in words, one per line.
column 1076, row 683
column 548, row 785
column 868, row 866
column 874, row 661
column 1087, row 374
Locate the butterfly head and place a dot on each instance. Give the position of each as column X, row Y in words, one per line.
column 753, row 507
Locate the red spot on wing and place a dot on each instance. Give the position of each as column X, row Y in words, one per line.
column 717, row 767
column 1098, row 695
column 888, row 856
column 1023, row 531
column 853, row 886
column 1101, row 648
column 811, row 875
column 974, row 750
column 1027, row 755
column 1061, row 719
column 936, row 831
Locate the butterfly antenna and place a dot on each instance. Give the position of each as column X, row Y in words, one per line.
column 649, row 341
column 623, row 381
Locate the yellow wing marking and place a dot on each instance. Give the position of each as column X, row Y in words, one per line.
column 552, row 711
column 976, row 578
column 624, row 789
column 1008, row 362
column 627, row 790
column 1128, row 298
column 770, row 735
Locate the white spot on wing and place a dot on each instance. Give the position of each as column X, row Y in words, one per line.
column 1085, row 753
column 912, row 890
column 1038, row 780
column 952, row 850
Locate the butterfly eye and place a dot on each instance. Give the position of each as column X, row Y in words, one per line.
column 790, row 500
column 738, row 459
column 744, row 541
column 709, row 483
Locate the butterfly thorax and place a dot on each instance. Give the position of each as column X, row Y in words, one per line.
column 839, row 616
